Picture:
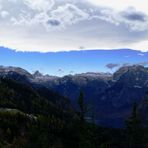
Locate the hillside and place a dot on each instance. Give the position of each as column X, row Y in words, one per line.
column 111, row 96
column 32, row 114
column 18, row 95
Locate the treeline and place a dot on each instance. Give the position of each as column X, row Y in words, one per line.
column 18, row 130
column 133, row 135
column 31, row 118
column 21, row 130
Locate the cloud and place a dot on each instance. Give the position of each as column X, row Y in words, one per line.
column 135, row 16
column 39, row 5
column 111, row 66
column 140, row 5
column 137, row 20
column 4, row 14
column 141, row 54
column 60, row 71
column 133, row 19
column 126, row 64
column 53, row 22
column 140, row 63
column 57, row 25
column 143, row 63
column 68, row 14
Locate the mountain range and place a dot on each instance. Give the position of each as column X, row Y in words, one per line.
column 109, row 96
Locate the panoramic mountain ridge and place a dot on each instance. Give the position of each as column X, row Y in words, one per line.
column 111, row 95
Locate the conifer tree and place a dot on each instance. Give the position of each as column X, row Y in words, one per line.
column 134, row 129
column 81, row 105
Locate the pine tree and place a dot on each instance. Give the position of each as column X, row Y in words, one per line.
column 134, row 129
column 81, row 106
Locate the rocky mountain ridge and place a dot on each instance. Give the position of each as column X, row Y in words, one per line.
column 111, row 95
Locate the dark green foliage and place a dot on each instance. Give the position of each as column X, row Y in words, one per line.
column 82, row 106
column 20, row 129
column 14, row 94
column 39, row 118
column 135, row 131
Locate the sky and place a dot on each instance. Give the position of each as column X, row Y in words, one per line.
column 66, row 25
column 72, row 62
column 60, row 37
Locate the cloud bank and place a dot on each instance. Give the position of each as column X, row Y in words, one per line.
column 63, row 25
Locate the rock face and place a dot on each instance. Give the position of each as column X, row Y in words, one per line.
column 129, row 85
column 11, row 70
column 110, row 95
column 92, row 85
column 37, row 74
column 15, row 73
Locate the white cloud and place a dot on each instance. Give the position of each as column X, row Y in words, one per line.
column 133, row 19
column 143, row 45
column 140, row 5
column 4, row 14
column 68, row 14
column 141, row 54
column 40, row 5
column 57, row 25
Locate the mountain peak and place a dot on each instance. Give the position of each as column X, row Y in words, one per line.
column 136, row 69
column 37, row 74
column 7, row 70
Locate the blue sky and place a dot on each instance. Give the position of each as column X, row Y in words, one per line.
column 63, row 63
column 60, row 37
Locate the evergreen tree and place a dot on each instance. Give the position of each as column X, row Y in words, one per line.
column 134, row 129
column 82, row 106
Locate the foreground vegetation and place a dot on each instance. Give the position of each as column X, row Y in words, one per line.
column 20, row 130
column 30, row 117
